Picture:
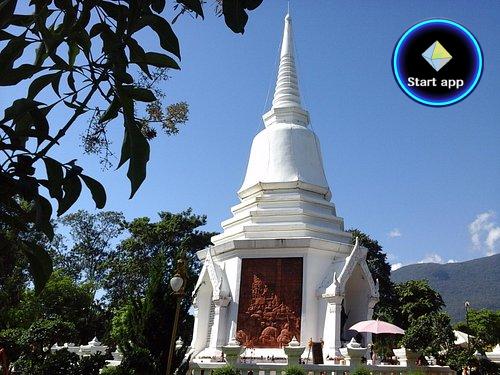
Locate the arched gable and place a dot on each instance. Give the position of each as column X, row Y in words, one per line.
column 335, row 280
column 216, row 276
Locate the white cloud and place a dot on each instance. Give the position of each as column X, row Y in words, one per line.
column 391, row 257
column 395, row 233
column 432, row 258
column 485, row 233
column 491, row 240
column 396, row 266
column 435, row 258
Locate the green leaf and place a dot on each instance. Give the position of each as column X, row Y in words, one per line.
column 22, row 20
column 7, row 8
column 128, row 115
column 194, row 5
column 14, row 76
column 72, row 105
column 72, row 188
column 113, row 10
column 168, row 39
column 252, row 4
column 125, row 151
column 41, row 82
column 141, row 94
column 4, row 35
column 157, row 59
column 71, row 81
column 43, row 214
column 54, row 177
column 63, row 4
column 55, row 83
column 97, row 29
column 112, row 111
column 19, row 107
column 41, row 125
column 73, row 51
column 83, row 40
column 11, row 52
column 139, row 156
column 137, row 54
column 41, row 54
column 235, row 16
column 40, row 264
column 158, row 5
column 96, row 189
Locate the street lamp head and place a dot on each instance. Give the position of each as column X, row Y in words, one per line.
column 176, row 283
column 467, row 304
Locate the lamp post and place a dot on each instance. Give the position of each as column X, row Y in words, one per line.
column 177, row 283
column 467, row 306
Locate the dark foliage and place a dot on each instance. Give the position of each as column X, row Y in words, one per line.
column 172, row 235
column 86, row 55
column 144, row 327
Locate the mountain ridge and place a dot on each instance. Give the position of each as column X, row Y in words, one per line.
column 476, row 281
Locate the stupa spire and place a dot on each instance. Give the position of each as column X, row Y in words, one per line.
column 287, row 93
column 286, row 107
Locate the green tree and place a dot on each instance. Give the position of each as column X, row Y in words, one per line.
column 92, row 236
column 430, row 334
column 64, row 300
column 381, row 273
column 173, row 234
column 415, row 299
column 484, row 325
column 144, row 327
column 60, row 362
column 13, row 280
column 419, row 312
column 88, row 53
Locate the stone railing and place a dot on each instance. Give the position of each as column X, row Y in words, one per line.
column 93, row 347
column 352, row 358
column 327, row 369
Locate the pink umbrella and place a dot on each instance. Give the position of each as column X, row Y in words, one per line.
column 377, row 327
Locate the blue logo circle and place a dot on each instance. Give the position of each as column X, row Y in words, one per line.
column 437, row 62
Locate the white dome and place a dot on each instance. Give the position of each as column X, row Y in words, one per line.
column 283, row 153
column 285, row 193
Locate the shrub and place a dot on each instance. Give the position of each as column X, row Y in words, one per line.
column 361, row 371
column 416, row 372
column 118, row 370
column 225, row 370
column 91, row 365
column 294, row 370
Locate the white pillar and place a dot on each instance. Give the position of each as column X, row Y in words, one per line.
column 194, row 341
column 218, row 332
column 331, row 334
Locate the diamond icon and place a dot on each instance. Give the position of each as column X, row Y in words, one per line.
column 437, row 56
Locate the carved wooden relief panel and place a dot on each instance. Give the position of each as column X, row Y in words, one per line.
column 270, row 302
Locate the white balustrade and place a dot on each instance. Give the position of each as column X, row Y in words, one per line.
column 324, row 369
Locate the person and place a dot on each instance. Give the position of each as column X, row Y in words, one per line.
column 373, row 355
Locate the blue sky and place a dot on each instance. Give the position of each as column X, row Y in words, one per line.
column 413, row 177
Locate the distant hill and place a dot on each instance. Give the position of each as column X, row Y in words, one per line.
column 476, row 281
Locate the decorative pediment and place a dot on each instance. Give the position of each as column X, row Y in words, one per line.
column 217, row 278
column 331, row 277
column 340, row 271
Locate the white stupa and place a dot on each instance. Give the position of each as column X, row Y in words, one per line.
column 283, row 265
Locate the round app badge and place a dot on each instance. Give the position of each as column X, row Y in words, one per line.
column 437, row 62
